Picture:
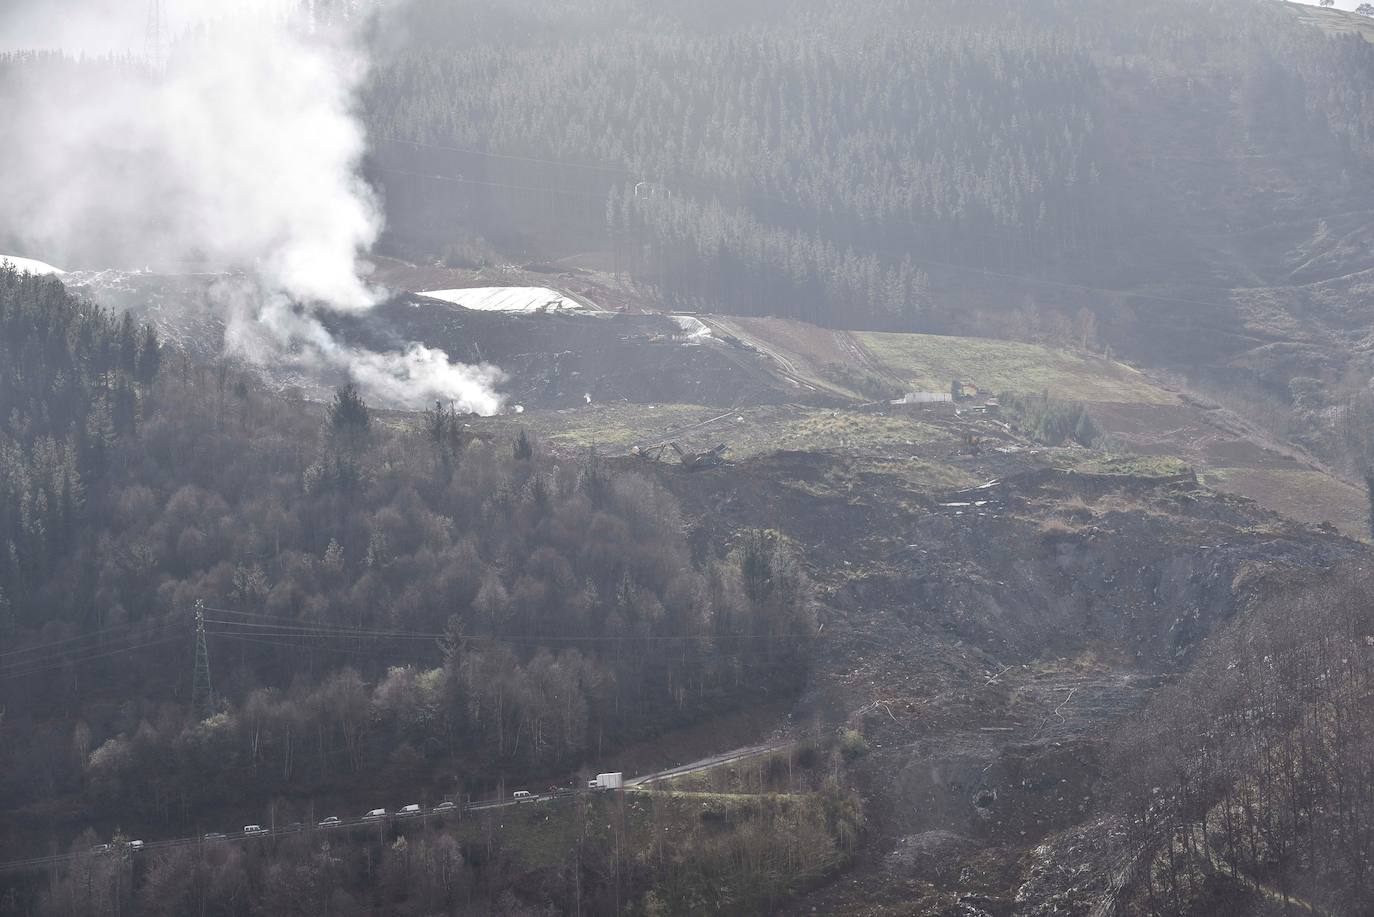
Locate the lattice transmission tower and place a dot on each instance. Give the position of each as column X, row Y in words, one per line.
column 202, row 695
column 155, row 36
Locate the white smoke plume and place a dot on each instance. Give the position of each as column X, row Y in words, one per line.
column 240, row 151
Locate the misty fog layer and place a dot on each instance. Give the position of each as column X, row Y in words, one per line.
column 241, row 154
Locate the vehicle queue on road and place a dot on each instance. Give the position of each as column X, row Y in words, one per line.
column 412, row 810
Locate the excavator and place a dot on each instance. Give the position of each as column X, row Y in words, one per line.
column 649, row 453
column 695, row 461
column 692, row 461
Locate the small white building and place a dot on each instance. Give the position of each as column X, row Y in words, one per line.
column 924, row 398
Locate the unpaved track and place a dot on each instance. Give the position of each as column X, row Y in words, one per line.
column 787, row 368
column 729, row 757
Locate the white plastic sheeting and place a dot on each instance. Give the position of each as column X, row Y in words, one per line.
column 508, row 299
column 30, row 265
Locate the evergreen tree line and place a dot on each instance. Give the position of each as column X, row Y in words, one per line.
column 1053, row 421
column 72, row 382
column 817, row 166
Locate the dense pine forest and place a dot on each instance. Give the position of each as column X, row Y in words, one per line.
column 827, row 164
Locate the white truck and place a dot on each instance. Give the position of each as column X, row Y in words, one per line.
column 607, row 781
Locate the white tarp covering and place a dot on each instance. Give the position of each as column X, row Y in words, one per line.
column 507, row 299
column 33, row 267
column 694, row 328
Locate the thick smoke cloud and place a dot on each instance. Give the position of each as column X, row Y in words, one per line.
column 240, row 154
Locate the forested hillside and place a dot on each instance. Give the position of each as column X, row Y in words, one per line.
column 824, row 167
column 1261, row 762
column 1018, row 644
column 72, row 382
column 388, row 597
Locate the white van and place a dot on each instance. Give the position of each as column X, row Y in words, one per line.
column 521, row 795
column 254, row 830
column 408, row 811
column 375, row 814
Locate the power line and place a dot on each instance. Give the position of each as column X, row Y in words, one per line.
column 65, row 655
column 330, row 630
column 264, row 626
column 231, row 611
column 122, row 628
column 269, row 621
column 307, row 629
column 284, row 644
column 202, row 695
column 304, row 641
column 54, row 666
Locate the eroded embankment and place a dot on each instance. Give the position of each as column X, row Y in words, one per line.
column 987, row 657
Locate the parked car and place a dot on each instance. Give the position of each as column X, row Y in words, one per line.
column 215, row 836
column 521, row 795
column 330, row 822
column 135, row 846
column 375, row 814
column 444, row 808
column 409, row 811
column 102, row 848
column 254, row 831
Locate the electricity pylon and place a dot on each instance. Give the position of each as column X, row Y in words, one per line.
column 154, row 39
column 202, row 696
